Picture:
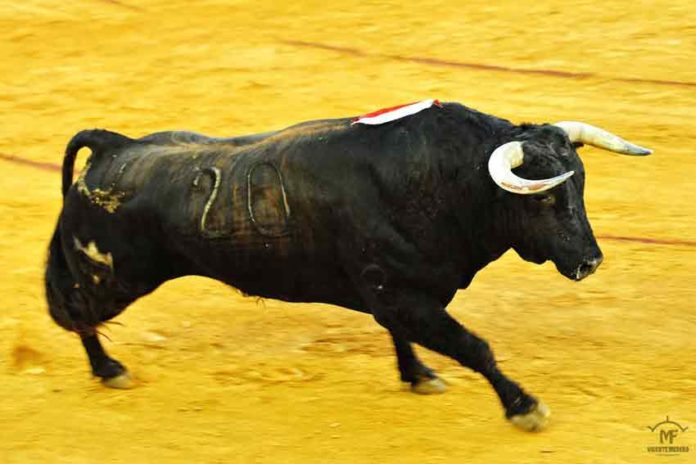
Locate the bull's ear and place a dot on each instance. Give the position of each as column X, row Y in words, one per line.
column 577, row 145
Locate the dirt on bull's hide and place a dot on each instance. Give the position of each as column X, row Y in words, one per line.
column 223, row 378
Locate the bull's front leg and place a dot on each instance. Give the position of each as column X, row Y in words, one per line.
column 415, row 316
column 423, row 380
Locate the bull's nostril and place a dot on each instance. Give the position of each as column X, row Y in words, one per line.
column 587, row 268
column 595, row 263
column 591, row 266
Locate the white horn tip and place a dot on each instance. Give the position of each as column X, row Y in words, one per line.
column 637, row 150
column 591, row 135
column 530, row 187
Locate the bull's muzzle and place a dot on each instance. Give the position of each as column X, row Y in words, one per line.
column 587, row 267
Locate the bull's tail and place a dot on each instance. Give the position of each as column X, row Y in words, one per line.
column 97, row 140
column 59, row 284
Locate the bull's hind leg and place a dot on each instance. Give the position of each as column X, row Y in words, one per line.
column 423, row 380
column 78, row 310
column 422, row 319
column 82, row 314
column 110, row 371
column 91, row 310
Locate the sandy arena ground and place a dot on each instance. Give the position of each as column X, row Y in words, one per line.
column 222, row 378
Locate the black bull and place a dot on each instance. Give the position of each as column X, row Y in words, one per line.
column 389, row 220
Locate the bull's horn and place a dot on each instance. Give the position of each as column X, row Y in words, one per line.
column 591, row 135
column 509, row 156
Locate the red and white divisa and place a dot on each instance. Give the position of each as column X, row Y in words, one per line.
column 395, row 112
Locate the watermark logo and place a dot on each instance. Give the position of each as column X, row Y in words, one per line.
column 669, row 433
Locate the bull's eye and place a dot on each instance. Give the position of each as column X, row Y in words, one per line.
column 545, row 199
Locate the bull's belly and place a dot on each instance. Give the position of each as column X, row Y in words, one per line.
column 276, row 269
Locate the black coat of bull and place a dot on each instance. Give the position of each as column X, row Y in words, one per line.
column 390, row 220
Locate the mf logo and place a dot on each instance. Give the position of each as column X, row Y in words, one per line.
column 668, row 431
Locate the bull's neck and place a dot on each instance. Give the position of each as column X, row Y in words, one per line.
column 477, row 204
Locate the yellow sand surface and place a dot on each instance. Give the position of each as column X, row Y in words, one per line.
column 227, row 379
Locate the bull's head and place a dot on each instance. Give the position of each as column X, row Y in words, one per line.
column 546, row 217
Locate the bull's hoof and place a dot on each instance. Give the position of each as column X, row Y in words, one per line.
column 122, row 381
column 534, row 420
column 429, row 386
